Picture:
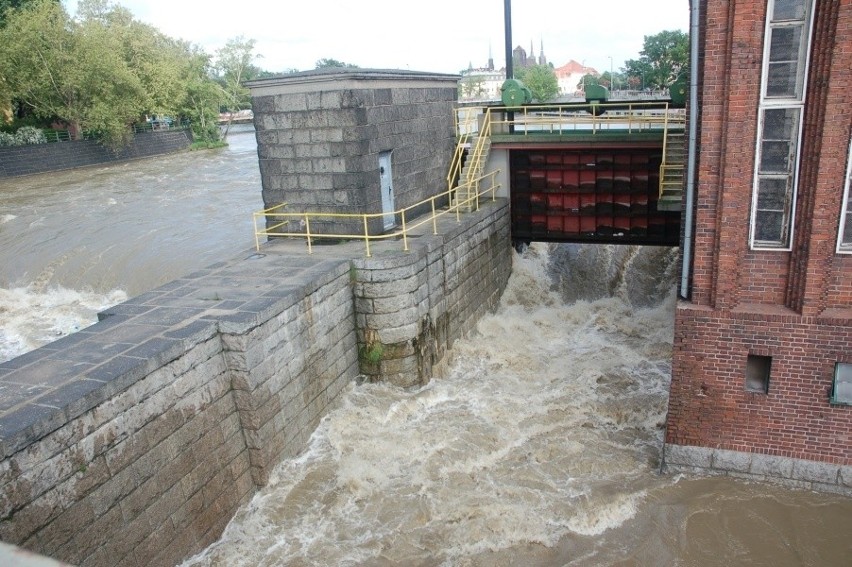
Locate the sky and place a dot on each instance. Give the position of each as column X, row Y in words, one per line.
column 441, row 36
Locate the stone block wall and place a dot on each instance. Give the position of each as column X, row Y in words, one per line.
column 320, row 134
column 41, row 158
column 410, row 308
column 135, row 440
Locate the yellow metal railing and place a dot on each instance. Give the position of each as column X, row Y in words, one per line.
column 622, row 117
column 278, row 219
column 668, row 170
column 466, row 125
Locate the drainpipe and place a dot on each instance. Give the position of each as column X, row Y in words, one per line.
column 694, row 8
column 507, row 22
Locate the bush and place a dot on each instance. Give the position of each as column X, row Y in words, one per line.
column 24, row 136
column 7, row 139
column 30, row 135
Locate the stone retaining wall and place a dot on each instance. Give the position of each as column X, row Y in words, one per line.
column 787, row 471
column 134, row 441
column 41, row 158
column 411, row 307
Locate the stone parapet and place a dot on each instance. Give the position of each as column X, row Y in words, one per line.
column 410, row 308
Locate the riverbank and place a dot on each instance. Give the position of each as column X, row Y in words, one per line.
column 16, row 161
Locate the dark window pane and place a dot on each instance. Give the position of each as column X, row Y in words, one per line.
column 843, row 383
column 768, row 227
column 847, row 229
column 782, row 80
column 772, row 194
column 785, row 43
column 780, row 124
column 775, row 157
column 789, row 10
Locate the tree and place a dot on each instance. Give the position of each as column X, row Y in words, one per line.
column 663, row 59
column 234, row 62
column 201, row 99
column 38, row 61
column 540, row 80
column 472, row 86
column 7, row 6
column 326, row 63
column 589, row 79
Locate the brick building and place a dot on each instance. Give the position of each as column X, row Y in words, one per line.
column 762, row 364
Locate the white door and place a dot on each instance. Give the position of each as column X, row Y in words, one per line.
column 386, row 184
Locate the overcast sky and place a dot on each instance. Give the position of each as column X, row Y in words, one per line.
column 442, row 36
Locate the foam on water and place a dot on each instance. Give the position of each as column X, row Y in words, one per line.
column 33, row 317
column 546, row 422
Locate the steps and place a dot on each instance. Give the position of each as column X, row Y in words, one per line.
column 472, row 170
column 673, row 172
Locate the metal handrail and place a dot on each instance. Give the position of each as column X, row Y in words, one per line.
column 478, row 155
column 558, row 119
column 464, row 128
column 304, row 219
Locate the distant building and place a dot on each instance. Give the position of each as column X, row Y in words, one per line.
column 483, row 83
column 570, row 75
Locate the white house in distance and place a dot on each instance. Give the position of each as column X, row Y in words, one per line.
column 570, row 75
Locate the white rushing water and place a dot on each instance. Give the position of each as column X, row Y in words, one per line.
column 547, row 422
column 538, row 444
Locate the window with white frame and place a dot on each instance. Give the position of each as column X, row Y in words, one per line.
column 844, row 238
column 785, row 64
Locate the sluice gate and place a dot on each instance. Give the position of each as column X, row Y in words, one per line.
column 596, row 193
column 589, row 171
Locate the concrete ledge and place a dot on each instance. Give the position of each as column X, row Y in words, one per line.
column 794, row 473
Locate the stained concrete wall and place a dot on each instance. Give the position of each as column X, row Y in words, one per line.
column 41, row 158
column 134, row 441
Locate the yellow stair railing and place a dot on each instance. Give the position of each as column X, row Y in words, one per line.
column 673, row 164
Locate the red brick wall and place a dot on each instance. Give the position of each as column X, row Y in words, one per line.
column 794, row 306
column 710, row 407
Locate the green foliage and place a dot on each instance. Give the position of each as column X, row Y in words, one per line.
column 541, row 81
column 6, row 6
column 372, row 353
column 664, row 58
column 588, row 80
column 471, row 86
column 105, row 71
column 202, row 96
column 207, row 145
